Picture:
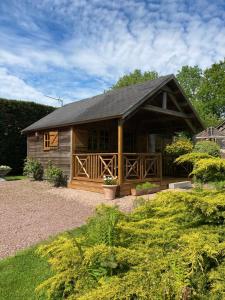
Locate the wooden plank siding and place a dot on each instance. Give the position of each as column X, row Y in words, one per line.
column 60, row 156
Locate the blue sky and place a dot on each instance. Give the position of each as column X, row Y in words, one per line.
column 74, row 49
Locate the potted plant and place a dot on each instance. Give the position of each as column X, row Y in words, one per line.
column 4, row 170
column 145, row 188
column 109, row 187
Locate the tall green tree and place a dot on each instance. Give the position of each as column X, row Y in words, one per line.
column 135, row 77
column 212, row 89
column 206, row 91
column 190, row 78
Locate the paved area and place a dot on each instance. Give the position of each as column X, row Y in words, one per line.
column 32, row 211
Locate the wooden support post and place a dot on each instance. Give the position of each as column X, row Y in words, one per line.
column 164, row 104
column 72, row 150
column 120, row 152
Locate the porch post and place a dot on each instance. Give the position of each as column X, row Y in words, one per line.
column 120, row 152
column 72, row 149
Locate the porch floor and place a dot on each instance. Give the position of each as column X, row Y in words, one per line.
column 96, row 186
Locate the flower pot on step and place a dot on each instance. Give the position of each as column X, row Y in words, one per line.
column 109, row 191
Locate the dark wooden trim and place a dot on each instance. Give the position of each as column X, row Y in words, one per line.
column 167, row 111
column 164, row 103
column 189, row 102
column 133, row 109
column 175, row 102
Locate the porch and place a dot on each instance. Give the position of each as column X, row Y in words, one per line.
column 131, row 148
column 90, row 168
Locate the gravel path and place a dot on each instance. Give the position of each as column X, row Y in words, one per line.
column 33, row 211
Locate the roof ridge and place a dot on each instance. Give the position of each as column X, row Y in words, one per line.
column 119, row 89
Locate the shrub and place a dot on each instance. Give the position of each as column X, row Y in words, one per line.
column 209, row 170
column 179, row 147
column 208, row 147
column 168, row 248
column 191, row 158
column 55, row 175
column 33, row 168
column 146, row 185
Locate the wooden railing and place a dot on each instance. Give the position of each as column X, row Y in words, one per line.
column 95, row 165
column 142, row 166
column 136, row 166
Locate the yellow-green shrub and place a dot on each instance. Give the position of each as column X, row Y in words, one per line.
column 191, row 158
column 209, row 169
column 179, row 147
column 164, row 249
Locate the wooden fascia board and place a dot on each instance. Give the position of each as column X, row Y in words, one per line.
column 189, row 103
column 71, row 124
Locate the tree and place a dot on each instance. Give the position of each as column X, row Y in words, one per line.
column 205, row 89
column 190, row 78
column 212, row 89
column 135, row 77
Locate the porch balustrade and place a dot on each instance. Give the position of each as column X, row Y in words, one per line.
column 136, row 166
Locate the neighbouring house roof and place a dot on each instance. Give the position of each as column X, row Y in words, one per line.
column 210, row 133
column 113, row 104
column 221, row 126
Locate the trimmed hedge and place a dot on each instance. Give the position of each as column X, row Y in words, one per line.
column 15, row 116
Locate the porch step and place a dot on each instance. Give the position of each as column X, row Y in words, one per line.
column 86, row 186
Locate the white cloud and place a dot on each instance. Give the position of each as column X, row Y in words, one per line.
column 12, row 87
column 103, row 40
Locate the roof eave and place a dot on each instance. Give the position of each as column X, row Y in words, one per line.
column 24, row 131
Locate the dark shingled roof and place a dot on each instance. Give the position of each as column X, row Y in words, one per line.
column 113, row 104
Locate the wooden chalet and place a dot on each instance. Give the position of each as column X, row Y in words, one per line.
column 120, row 133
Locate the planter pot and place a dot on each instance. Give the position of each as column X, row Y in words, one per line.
column 4, row 172
column 135, row 192
column 109, row 191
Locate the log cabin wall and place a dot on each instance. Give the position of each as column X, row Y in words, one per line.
column 60, row 156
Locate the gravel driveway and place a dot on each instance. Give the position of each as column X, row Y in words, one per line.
column 33, row 211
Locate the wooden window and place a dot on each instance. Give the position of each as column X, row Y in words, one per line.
column 46, row 141
column 51, row 140
column 103, row 140
column 129, row 142
column 98, row 140
column 93, row 140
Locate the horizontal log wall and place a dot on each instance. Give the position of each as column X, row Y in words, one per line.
column 60, row 156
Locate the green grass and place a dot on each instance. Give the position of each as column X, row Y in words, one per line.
column 11, row 178
column 22, row 273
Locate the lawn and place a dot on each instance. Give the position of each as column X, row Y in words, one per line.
column 21, row 274
column 15, row 177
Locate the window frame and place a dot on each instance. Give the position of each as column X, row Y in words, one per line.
column 98, row 140
column 47, row 140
